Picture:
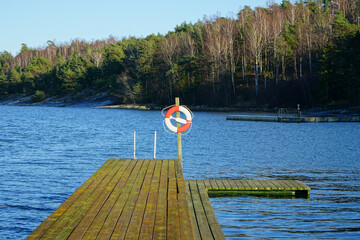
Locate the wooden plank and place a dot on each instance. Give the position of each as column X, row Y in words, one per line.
column 100, row 218
column 147, row 227
column 178, row 167
column 270, row 185
column 85, row 187
column 192, row 212
column 304, row 186
column 86, row 221
column 252, row 184
column 202, row 221
column 226, row 184
column 213, row 184
column 210, row 215
column 293, row 185
column 220, row 184
column 207, row 184
column 240, row 184
column 233, row 184
column 265, row 184
column 79, row 208
column 287, row 186
column 246, row 184
column 126, row 214
column 173, row 224
column 171, row 171
column 133, row 230
column 201, row 182
column 185, row 219
column 299, row 185
column 112, row 218
column 279, row 184
column 258, row 184
column 161, row 206
column 179, row 219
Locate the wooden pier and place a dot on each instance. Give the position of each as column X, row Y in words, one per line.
column 292, row 119
column 149, row 199
column 124, row 199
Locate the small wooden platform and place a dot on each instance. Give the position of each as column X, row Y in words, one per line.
column 293, row 119
column 230, row 187
column 206, row 225
column 124, row 199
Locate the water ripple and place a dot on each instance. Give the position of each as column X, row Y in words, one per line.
column 47, row 153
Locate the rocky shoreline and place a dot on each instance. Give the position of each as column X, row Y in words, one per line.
column 85, row 99
column 105, row 101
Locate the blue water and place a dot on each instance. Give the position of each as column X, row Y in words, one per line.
column 47, row 153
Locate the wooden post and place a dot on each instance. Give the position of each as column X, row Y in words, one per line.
column 177, row 103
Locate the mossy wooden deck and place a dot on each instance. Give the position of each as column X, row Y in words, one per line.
column 149, row 199
column 231, row 187
column 124, row 199
column 206, row 225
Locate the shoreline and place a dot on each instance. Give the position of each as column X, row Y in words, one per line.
column 105, row 101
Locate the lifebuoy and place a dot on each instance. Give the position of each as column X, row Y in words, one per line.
column 187, row 122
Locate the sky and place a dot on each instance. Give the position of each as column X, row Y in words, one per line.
column 34, row 22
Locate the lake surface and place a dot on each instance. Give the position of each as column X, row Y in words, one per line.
column 46, row 153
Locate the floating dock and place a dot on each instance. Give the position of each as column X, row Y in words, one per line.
column 206, row 225
column 149, row 199
column 291, row 119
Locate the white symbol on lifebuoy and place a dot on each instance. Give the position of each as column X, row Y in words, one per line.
column 187, row 122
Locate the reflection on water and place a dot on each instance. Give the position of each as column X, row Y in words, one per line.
column 46, row 153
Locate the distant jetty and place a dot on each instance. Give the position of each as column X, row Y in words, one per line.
column 293, row 119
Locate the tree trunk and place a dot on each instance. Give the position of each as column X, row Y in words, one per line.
column 170, row 87
column 309, row 51
column 283, row 67
column 265, row 70
column 232, row 69
column 213, row 81
column 300, row 67
column 310, row 67
column 295, row 67
column 244, row 69
column 256, row 76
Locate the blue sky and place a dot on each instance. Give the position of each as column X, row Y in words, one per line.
column 34, row 22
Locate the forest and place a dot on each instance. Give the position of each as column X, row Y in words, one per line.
column 304, row 52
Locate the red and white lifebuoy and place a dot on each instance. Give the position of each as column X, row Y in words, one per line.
column 187, row 122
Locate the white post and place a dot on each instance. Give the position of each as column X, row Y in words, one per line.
column 177, row 103
column 134, row 144
column 155, row 145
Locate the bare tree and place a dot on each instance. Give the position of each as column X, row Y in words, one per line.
column 242, row 22
column 229, row 34
column 97, row 57
column 255, row 43
column 169, row 48
column 277, row 28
